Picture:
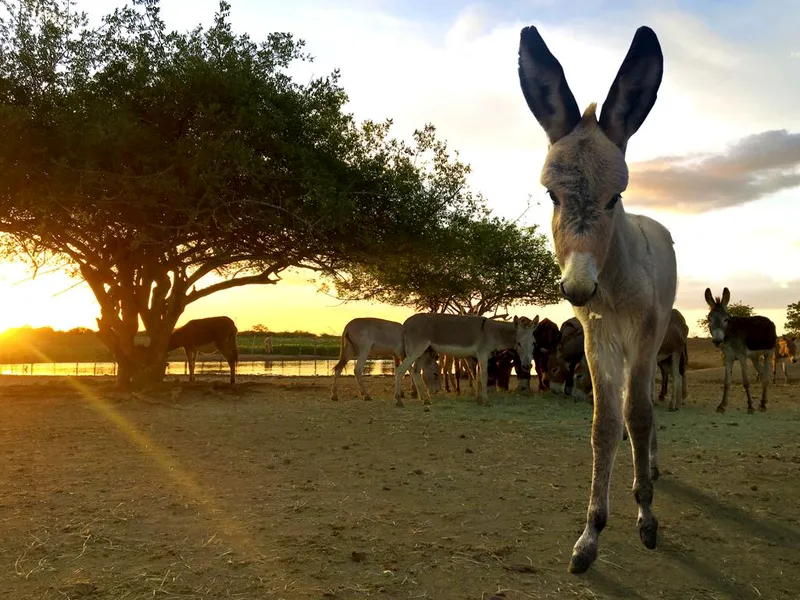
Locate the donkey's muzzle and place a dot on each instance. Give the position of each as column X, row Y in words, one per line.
column 578, row 297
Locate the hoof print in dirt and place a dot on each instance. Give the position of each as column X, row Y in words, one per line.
column 358, row 556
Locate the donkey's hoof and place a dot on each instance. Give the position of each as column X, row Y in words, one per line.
column 581, row 561
column 672, row 408
column 334, row 398
column 399, row 403
column 426, row 402
column 762, row 408
column 750, row 410
column 648, row 532
column 720, row 409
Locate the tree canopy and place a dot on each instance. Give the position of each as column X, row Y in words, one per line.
column 792, row 325
column 477, row 266
column 162, row 167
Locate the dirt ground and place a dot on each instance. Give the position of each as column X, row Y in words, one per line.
column 270, row 490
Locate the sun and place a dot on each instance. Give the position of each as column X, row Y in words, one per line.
column 49, row 300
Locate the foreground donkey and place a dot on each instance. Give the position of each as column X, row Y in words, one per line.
column 741, row 338
column 367, row 336
column 618, row 270
column 464, row 336
column 673, row 355
column 207, row 335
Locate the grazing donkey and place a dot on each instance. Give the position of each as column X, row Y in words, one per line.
column 463, row 335
column 673, row 356
column 785, row 350
column 569, row 352
column 206, row 336
column 366, row 336
column 546, row 336
column 741, row 338
column 618, row 270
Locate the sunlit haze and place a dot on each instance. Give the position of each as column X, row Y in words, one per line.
column 717, row 160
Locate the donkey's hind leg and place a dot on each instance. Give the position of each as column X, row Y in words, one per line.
column 359, row 371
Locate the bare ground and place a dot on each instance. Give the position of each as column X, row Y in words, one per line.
column 270, row 490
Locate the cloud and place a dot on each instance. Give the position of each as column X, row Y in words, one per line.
column 755, row 289
column 754, row 167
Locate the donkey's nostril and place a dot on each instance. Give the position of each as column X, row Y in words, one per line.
column 563, row 291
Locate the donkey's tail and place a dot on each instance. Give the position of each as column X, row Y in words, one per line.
column 343, row 358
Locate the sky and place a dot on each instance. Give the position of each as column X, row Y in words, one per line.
column 717, row 161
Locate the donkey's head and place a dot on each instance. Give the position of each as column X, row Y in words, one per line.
column 787, row 346
column 585, row 171
column 718, row 315
column 525, row 339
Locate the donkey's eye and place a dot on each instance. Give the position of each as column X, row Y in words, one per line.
column 553, row 197
column 613, row 202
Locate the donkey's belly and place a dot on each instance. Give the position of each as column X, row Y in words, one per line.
column 453, row 349
column 209, row 348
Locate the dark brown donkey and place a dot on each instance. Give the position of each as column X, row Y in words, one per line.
column 741, row 338
column 546, row 339
column 674, row 356
column 206, row 336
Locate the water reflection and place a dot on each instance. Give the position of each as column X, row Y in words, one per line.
column 286, row 368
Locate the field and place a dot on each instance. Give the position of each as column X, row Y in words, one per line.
column 270, row 490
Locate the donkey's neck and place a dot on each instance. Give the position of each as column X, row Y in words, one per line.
column 505, row 334
column 624, row 256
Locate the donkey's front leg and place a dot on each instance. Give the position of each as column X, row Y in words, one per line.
column 481, row 393
column 639, row 419
column 726, row 389
column 768, row 358
column 605, row 366
column 746, row 384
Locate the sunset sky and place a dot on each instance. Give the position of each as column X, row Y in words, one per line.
column 717, row 161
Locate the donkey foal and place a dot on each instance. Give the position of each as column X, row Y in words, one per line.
column 618, row 270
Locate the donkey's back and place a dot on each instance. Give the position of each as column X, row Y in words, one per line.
column 755, row 333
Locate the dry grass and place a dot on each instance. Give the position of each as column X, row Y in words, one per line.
column 273, row 491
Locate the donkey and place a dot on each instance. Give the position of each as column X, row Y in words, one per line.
column 618, row 270
column 785, row 350
column 673, row 355
column 546, row 336
column 206, row 336
column 741, row 338
column 569, row 351
column 463, row 335
column 366, row 336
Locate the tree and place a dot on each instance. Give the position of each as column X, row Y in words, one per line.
column 260, row 328
column 162, row 167
column 792, row 325
column 735, row 309
column 475, row 266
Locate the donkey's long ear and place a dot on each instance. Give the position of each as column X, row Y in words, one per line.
column 710, row 298
column 545, row 87
column 726, row 296
column 634, row 90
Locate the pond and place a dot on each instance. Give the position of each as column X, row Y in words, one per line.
column 301, row 368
